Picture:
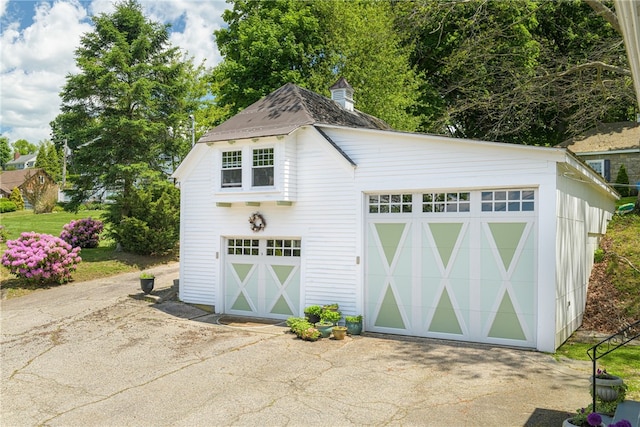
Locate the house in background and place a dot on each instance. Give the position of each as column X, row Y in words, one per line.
column 300, row 200
column 608, row 146
column 19, row 161
column 24, row 179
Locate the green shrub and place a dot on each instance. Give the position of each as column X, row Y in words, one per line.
column 16, row 197
column 330, row 316
column 598, row 255
column 303, row 329
column 146, row 220
column 7, row 206
column 622, row 182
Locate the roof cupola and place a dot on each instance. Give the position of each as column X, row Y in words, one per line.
column 342, row 93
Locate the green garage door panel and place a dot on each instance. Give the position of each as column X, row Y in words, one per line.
column 508, row 281
column 389, row 294
column 466, row 278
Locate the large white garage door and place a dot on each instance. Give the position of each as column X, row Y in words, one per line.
column 262, row 277
column 456, row 265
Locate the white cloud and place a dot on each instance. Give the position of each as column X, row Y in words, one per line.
column 201, row 18
column 36, row 59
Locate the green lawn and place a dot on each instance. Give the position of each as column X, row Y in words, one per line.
column 102, row 261
column 623, row 362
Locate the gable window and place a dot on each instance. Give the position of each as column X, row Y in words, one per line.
column 262, row 171
column 231, row 169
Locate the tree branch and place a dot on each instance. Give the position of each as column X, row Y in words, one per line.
column 595, row 64
column 606, row 13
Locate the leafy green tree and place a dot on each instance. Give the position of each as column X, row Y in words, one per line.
column 265, row 45
column 5, row 151
column 127, row 109
column 363, row 46
column 521, row 71
column 24, row 147
column 268, row 44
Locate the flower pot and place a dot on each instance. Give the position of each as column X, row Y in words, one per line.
column 147, row 285
column 339, row 332
column 568, row 423
column 353, row 328
column 607, row 389
column 312, row 318
column 324, row 329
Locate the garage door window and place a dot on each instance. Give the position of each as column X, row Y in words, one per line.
column 446, row 202
column 242, row 247
column 287, row 248
column 390, row 203
column 508, row 201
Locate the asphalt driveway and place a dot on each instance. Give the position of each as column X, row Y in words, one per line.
column 92, row 354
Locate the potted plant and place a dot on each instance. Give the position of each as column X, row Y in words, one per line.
column 584, row 418
column 330, row 307
column 339, row 332
column 328, row 318
column 303, row 329
column 147, row 280
column 353, row 324
column 313, row 313
column 608, row 386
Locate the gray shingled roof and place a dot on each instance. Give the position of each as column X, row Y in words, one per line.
column 606, row 137
column 285, row 110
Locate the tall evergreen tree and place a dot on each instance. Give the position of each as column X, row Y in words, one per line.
column 120, row 113
column 5, row 151
column 49, row 160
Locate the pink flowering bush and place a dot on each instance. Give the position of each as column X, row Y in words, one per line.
column 83, row 233
column 41, row 258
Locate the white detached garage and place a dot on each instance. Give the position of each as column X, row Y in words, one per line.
column 301, row 200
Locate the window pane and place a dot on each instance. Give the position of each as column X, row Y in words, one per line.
column 514, row 195
column 500, row 195
column 262, row 177
column 514, row 206
column 487, row 195
column 232, row 178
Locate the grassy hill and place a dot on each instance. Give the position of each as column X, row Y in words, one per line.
column 613, row 299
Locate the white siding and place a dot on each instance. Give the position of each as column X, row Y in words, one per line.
column 198, row 242
column 582, row 215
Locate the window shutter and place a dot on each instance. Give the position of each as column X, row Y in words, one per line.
column 607, row 170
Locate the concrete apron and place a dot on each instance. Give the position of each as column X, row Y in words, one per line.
column 92, row 355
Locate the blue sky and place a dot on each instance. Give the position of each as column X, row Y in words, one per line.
column 38, row 38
